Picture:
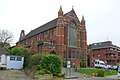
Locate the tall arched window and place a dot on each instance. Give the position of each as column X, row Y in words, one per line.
column 72, row 35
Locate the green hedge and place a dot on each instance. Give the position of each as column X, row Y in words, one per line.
column 51, row 62
column 82, row 64
column 43, row 71
column 100, row 73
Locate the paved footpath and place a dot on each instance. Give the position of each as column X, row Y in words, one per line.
column 19, row 75
column 13, row 75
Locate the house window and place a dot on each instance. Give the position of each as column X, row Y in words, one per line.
column 42, row 36
column 52, row 33
column 19, row 58
column 111, row 48
column 0, row 58
column 74, row 54
column 47, row 32
column 64, row 54
column 81, row 44
column 12, row 58
column 51, row 44
column 32, row 40
column 69, row 55
column 65, row 36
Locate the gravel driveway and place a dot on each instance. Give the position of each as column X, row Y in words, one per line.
column 13, row 75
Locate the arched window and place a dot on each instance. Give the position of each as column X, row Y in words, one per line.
column 72, row 35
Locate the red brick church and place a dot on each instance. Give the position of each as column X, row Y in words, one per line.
column 64, row 36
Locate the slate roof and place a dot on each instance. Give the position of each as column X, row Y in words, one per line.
column 42, row 28
column 102, row 45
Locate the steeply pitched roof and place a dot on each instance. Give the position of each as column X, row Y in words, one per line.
column 45, row 27
column 42, row 28
column 102, row 45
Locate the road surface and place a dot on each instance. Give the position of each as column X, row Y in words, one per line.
column 13, row 75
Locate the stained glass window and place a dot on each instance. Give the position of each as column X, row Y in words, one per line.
column 72, row 35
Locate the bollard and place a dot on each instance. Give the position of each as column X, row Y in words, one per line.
column 84, row 75
column 93, row 75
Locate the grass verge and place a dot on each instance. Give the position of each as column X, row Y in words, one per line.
column 90, row 71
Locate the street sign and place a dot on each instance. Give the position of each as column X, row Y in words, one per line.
column 68, row 64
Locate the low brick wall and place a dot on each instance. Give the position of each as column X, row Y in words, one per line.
column 43, row 77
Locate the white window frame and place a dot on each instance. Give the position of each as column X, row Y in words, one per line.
column 19, row 59
column 12, row 58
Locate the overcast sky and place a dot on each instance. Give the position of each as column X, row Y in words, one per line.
column 102, row 16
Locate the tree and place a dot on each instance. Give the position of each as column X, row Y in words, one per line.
column 18, row 51
column 5, row 37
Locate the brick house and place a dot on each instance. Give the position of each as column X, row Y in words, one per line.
column 105, row 51
column 65, row 36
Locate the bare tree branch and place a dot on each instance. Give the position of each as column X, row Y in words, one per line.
column 5, row 37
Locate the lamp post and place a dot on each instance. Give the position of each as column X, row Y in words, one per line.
column 68, row 60
column 68, row 73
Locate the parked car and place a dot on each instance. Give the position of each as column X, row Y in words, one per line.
column 114, row 67
column 107, row 67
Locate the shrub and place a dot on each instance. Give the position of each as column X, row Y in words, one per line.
column 82, row 64
column 100, row 73
column 64, row 64
column 35, row 59
column 18, row 51
column 60, row 75
column 51, row 62
column 26, row 55
column 43, row 71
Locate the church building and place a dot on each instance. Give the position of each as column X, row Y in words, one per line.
column 65, row 36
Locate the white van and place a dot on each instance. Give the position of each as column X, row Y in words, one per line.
column 99, row 64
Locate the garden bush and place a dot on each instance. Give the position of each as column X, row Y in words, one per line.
column 27, row 55
column 64, row 64
column 43, row 71
column 60, row 75
column 18, row 51
column 51, row 62
column 100, row 73
column 82, row 64
column 35, row 59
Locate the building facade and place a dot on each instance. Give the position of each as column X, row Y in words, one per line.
column 65, row 36
column 105, row 51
